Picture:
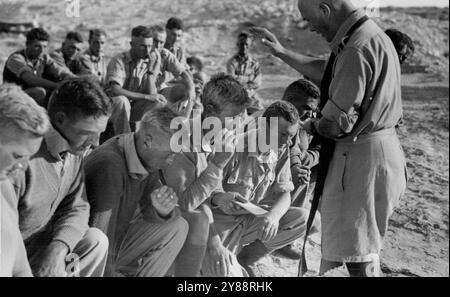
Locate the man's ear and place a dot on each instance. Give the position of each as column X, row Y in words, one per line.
column 148, row 140
column 209, row 110
column 325, row 9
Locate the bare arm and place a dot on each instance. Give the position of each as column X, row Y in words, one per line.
column 311, row 67
column 35, row 81
column 117, row 90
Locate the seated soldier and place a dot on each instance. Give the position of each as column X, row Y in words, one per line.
column 175, row 30
column 264, row 179
column 181, row 93
column 200, row 78
column 68, row 54
column 23, row 125
column 130, row 81
column 94, row 58
column 29, row 67
column 131, row 204
column 305, row 96
column 247, row 70
column 53, row 209
column 194, row 177
column 403, row 44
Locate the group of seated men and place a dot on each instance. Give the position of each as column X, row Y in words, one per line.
column 132, row 206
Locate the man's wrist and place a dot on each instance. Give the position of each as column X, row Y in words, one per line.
column 280, row 53
column 58, row 249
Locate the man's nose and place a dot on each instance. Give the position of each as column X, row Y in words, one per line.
column 94, row 141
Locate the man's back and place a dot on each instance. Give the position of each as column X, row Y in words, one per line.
column 13, row 257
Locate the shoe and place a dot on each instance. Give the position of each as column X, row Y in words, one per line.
column 250, row 254
column 290, row 252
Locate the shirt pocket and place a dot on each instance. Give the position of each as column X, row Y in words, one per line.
column 240, row 182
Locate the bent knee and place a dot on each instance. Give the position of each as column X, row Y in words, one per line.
column 199, row 219
column 97, row 240
column 121, row 102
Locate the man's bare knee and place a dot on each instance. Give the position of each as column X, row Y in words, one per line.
column 121, row 102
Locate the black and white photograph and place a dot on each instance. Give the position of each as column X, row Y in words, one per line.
column 224, row 145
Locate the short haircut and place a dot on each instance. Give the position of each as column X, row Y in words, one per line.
column 141, row 31
column 20, row 112
column 400, row 39
column 80, row 97
column 175, row 23
column 157, row 29
column 37, row 34
column 300, row 89
column 224, row 89
column 196, row 62
column 282, row 109
column 74, row 36
column 96, row 32
column 160, row 118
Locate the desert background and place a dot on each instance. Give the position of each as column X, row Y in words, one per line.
column 418, row 239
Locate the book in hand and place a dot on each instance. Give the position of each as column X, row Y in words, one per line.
column 250, row 207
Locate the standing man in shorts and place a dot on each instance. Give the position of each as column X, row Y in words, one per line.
column 362, row 166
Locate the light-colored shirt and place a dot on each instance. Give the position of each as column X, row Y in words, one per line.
column 74, row 66
column 179, row 52
column 171, row 68
column 13, row 256
column 258, row 176
column 366, row 81
column 246, row 70
column 97, row 65
column 119, row 187
column 193, row 178
column 51, row 193
column 134, row 75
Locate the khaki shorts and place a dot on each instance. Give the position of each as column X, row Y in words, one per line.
column 364, row 183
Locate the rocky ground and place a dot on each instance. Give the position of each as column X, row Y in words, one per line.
column 418, row 238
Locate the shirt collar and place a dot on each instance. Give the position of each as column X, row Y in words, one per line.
column 93, row 58
column 57, row 145
column 242, row 59
column 135, row 168
column 337, row 42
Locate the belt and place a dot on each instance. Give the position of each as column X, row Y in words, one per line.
column 365, row 138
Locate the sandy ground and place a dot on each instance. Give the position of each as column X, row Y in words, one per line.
column 418, row 240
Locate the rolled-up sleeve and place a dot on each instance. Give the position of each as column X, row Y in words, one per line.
column 192, row 190
column 174, row 66
column 348, row 89
column 17, row 65
column 283, row 177
column 116, row 72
